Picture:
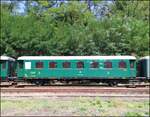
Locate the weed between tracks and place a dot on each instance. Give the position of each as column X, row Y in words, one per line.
column 80, row 106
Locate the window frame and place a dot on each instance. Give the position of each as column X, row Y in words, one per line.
column 77, row 65
column 106, row 64
column 122, row 61
column 132, row 62
column 92, row 66
column 3, row 65
column 49, row 65
column 66, row 62
column 20, row 63
column 38, row 63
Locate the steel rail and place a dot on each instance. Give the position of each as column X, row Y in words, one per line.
column 79, row 85
column 92, row 90
column 68, row 95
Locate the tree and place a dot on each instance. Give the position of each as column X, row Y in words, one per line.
column 76, row 28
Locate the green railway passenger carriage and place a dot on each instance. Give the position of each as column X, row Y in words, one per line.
column 7, row 68
column 93, row 68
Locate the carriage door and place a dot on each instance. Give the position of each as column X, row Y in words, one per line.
column 132, row 68
column 11, row 68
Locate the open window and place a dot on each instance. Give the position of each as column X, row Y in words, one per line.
column 80, row 65
column 122, row 64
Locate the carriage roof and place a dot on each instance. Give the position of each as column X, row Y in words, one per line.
column 7, row 58
column 75, row 57
column 145, row 57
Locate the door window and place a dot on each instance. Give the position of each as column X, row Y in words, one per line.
column 132, row 63
column 20, row 64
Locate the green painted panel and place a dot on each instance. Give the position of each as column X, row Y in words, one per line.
column 3, row 71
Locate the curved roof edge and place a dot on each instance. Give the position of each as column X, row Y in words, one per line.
column 7, row 58
column 73, row 57
column 145, row 57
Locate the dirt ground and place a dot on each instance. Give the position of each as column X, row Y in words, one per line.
column 74, row 106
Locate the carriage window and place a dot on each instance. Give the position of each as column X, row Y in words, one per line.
column 52, row 65
column 80, row 65
column 107, row 64
column 132, row 63
column 4, row 65
column 27, row 65
column 94, row 65
column 20, row 64
column 66, row 65
column 122, row 64
column 39, row 64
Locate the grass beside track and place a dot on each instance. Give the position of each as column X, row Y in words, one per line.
column 77, row 106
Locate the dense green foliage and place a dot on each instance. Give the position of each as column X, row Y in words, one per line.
column 72, row 29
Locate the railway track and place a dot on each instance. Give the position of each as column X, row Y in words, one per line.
column 89, row 85
column 76, row 89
